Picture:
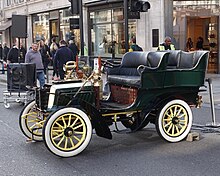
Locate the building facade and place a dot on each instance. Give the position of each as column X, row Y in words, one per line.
column 103, row 21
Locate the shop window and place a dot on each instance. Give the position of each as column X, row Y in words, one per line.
column 107, row 33
column 65, row 31
column 41, row 27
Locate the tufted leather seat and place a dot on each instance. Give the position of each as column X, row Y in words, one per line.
column 183, row 60
column 127, row 74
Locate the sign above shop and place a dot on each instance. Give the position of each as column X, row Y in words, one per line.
column 74, row 23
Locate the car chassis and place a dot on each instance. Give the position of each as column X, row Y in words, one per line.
column 156, row 87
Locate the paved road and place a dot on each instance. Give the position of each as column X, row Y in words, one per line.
column 136, row 154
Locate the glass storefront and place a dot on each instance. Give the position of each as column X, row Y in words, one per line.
column 107, row 32
column 45, row 27
column 198, row 20
column 40, row 26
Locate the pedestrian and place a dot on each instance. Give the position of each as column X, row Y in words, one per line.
column 72, row 46
column 63, row 55
column 189, row 44
column 167, row 45
column 199, row 43
column 34, row 56
column 134, row 46
column 13, row 56
column 2, row 58
column 5, row 50
column 53, row 49
column 45, row 54
column 22, row 53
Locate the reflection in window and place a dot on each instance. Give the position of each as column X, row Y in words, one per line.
column 107, row 32
column 41, row 26
column 65, row 31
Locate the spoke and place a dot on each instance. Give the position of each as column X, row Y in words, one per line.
column 181, row 116
column 171, row 112
column 175, row 109
column 59, row 125
column 74, row 121
column 61, row 140
column 64, row 122
column 78, row 132
column 169, row 127
column 78, row 126
column 167, row 124
column 69, row 121
column 66, row 142
column 33, row 126
column 181, row 126
column 178, row 112
column 173, row 128
column 71, row 141
column 58, row 130
column 57, row 136
column 34, row 120
column 177, row 129
column 169, row 115
column 76, row 138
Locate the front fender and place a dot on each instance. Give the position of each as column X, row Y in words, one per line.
column 97, row 120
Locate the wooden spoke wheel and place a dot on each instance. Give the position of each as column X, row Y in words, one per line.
column 31, row 122
column 67, row 132
column 174, row 121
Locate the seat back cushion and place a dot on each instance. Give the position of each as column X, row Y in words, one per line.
column 173, row 59
column 154, row 59
column 197, row 56
column 134, row 59
column 186, row 60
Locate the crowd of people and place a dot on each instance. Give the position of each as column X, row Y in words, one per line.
column 42, row 55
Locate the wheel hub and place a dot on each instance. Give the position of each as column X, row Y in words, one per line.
column 175, row 120
column 68, row 132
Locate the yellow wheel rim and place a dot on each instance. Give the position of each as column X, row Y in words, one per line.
column 34, row 122
column 175, row 120
column 68, row 132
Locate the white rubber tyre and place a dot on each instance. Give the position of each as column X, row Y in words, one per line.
column 174, row 121
column 26, row 122
column 67, row 132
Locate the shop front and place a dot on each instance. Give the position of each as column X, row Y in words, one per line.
column 198, row 21
column 54, row 24
column 107, row 31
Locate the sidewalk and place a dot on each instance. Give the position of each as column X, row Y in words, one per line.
column 205, row 95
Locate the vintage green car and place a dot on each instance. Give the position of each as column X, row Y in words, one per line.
column 156, row 87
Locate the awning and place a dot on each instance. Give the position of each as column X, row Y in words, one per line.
column 5, row 25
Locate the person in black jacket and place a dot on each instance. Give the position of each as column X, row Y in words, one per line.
column 5, row 51
column 73, row 48
column 22, row 53
column 45, row 54
column 13, row 55
column 62, row 56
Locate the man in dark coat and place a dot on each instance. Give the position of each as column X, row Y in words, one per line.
column 62, row 56
column 73, row 48
column 13, row 55
column 5, row 51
